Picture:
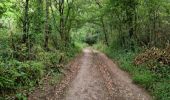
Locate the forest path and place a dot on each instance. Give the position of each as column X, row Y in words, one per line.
column 95, row 77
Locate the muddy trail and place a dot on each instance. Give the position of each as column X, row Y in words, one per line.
column 93, row 76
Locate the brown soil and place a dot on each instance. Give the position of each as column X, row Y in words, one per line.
column 93, row 76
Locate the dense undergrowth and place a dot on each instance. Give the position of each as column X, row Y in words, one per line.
column 19, row 76
column 149, row 68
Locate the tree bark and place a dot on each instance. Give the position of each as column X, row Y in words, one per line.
column 103, row 25
column 61, row 11
column 105, row 32
column 46, row 37
column 26, row 22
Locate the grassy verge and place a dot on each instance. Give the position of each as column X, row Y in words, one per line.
column 153, row 82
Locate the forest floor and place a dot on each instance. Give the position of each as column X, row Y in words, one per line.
column 92, row 76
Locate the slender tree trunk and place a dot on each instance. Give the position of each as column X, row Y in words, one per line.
column 25, row 22
column 46, row 37
column 39, row 14
column 130, row 13
column 26, row 37
column 67, row 24
column 103, row 25
column 61, row 11
column 105, row 32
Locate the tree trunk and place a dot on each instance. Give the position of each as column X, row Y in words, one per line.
column 38, row 18
column 46, row 37
column 61, row 11
column 105, row 32
column 103, row 25
column 26, row 23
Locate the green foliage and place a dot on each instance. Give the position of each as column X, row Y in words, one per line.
column 15, row 74
column 125, row 24
column 144, row 78
column 101, row 47
column 72, row 50
column 24, row 60
column 50, row 59
column 2, row 10
column 161, row 90
column 155, row 81
column 91, row 39
column 21, row 96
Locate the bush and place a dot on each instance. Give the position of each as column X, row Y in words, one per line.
column 72, row 50
column 55, row 59
column 15, row 74
column 21, row 96
column 51, row 59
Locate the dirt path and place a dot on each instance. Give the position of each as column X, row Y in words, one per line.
column 96, row 77
column 89, row 84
